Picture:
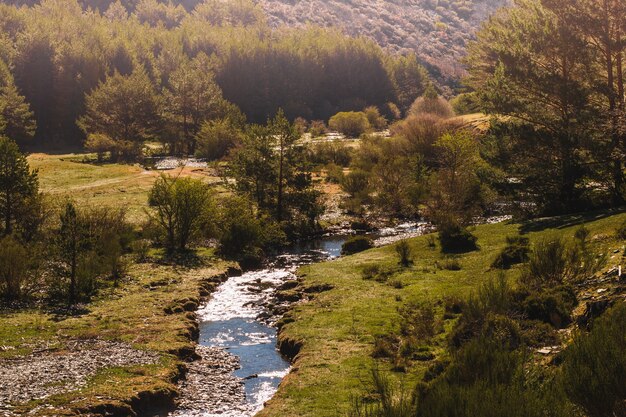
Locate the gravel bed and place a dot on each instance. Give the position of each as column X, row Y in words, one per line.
column 210, row 388
column 49, row 372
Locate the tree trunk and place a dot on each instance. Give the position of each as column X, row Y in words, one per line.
column 279, row 205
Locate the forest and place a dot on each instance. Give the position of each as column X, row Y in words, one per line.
column 56, row 53
column 238, row 208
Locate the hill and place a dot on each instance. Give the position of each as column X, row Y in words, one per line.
column 436, row 30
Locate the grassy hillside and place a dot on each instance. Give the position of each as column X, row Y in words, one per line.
column 436, row 30
column 337, row 328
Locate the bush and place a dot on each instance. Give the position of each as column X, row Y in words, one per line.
column 594, row 366
column 553, row 262
column 374, row 118
column 355, row 183
column 216, row 138
column 356, row 244
column 431, row 103
column 184, row 210
column 334, row 174
column 553, row 307
column 14, row 268
column 140, row 249
column 377, row 273
column 405, row 253
column 330, row 152
column 243, row 235
column 87, row 247
column 351, row 124
column 456, row 239
column 317, row 128
column 515, row 252
column 489, row 380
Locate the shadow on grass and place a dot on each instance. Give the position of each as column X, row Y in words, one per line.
column 569, row 220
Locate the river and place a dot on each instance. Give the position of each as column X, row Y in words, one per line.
column 238, row 321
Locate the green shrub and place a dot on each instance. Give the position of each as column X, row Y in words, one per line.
column 594, row 366
column 216, row 138
column 377, row 273
column 244, row 236
column 374, row 118
column 355, row 183
column 456, row 239
column 334, row 173
column 356, row 244
column 553, row 307
column 351, row 124
column 553, row 262
column 183, row 208
column 140, row 249
column 317, row 128
column 487, row 379
column 418, row 321
column 515, row 252
column 405, row 253
column 503, row 330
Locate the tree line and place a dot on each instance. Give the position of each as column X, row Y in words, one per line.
column 157, row 71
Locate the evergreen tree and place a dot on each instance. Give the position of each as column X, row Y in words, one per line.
column 18, row 185
column 125, row 108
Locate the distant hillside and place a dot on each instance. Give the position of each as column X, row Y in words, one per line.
column 436, row 30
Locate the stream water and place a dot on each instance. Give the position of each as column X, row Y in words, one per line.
column 238, row 316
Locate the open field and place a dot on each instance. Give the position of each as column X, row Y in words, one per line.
column 76, row 176
column 336, row 329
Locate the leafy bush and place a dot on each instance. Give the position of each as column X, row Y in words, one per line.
column 317, row 128
column 356, row 244
column 216, row 138
column 377, row 273
column 515, row 252
column 355, row 183
column 374, row 118
column 330, row 153
column 594, row 366
column 553, row 307
column 405, row 253
column 184, row 210
column 418, row 321
column 456, row 239
column 553, row 262
column 351, row 124
column 494, row 297
column 334, row 173
column 487, row 379
column 242, row 234
column 86, row 248
column 431, row 103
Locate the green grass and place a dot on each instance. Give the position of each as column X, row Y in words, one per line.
column 337, row 328
column 76, row 176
